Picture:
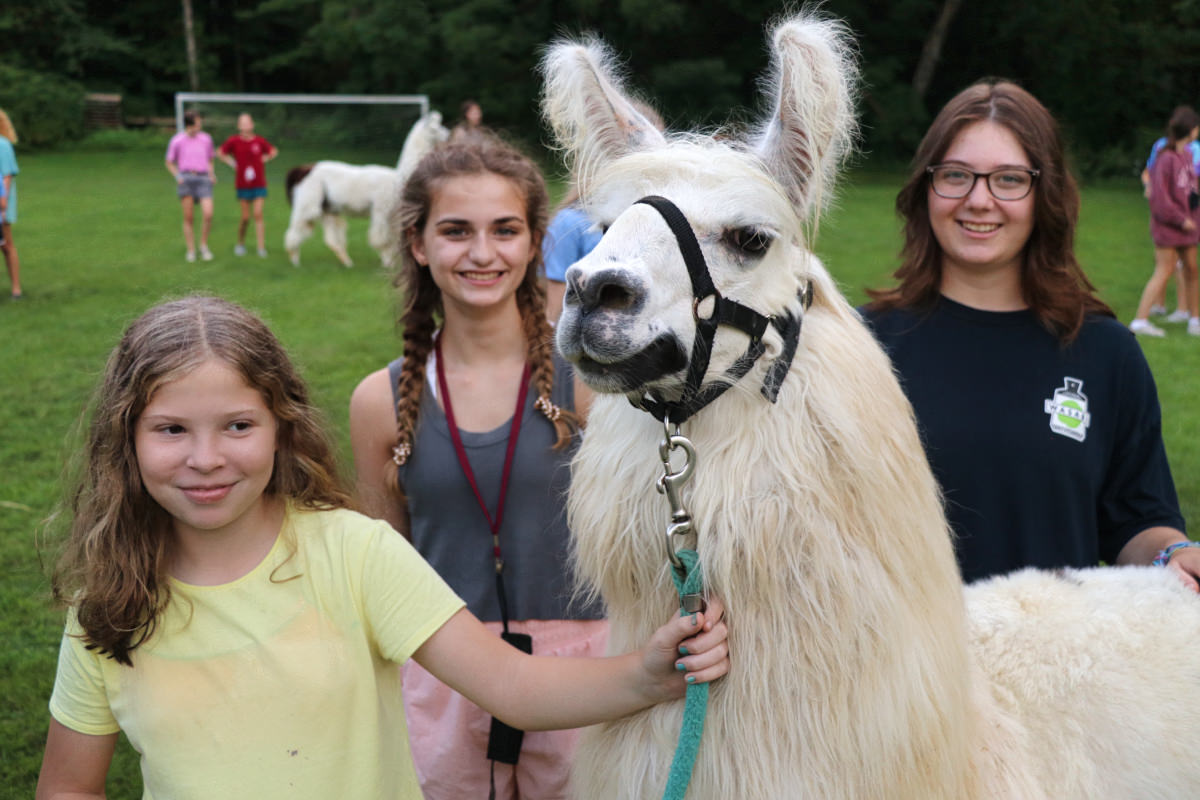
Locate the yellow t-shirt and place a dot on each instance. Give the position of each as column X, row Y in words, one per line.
column 281, row 684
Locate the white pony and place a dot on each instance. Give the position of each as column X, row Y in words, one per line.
column 859, row 672
column 331, row 190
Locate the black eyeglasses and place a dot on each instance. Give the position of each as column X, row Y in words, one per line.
column 954, row 182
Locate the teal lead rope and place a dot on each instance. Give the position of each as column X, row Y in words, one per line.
column 691, row 582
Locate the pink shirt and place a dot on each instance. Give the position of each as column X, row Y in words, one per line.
column 191, row 153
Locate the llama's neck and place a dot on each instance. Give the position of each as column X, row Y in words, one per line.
column 821, row 529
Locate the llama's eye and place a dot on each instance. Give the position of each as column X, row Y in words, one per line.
column 750, row 241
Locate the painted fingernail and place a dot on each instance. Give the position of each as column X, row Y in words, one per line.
column 695, row 621
column 691, row 678
column 682, row 650
column 680, row 666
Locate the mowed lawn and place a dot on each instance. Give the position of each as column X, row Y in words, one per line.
column 99, row 238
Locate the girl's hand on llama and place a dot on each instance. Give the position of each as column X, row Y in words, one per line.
column 687, row 650
column 1185, row 563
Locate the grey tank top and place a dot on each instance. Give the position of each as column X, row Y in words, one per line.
column 448, row 527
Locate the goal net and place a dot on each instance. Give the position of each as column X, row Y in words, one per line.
column 361, row 129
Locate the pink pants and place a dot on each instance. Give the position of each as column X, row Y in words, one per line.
column 448, row 733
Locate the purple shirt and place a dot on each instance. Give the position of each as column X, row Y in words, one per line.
column 191, row 153
column 1171, row 180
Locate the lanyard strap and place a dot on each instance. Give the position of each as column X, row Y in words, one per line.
column 514, row 432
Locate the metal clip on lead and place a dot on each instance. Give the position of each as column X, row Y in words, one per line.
column 670, row 483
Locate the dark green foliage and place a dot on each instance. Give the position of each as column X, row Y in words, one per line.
column 1111, row 70
column 45, row 109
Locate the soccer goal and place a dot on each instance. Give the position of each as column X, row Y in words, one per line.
column 356, row 128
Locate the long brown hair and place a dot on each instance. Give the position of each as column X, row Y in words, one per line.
column 1052, row 281
column 113, row 568
column 6, row 127
column 423, row 300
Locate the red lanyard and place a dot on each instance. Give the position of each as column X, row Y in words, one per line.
column 513, row 432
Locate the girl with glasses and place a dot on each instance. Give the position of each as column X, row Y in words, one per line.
column 1037, row 410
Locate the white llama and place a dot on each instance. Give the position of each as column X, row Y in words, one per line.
column 859, row 672
column 330, row 191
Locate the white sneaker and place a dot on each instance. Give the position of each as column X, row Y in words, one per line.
column 1194, row 326
column 239, row 249
column 205, row 253
column 262, row 252
column 1178, row 315
column 1144, row 327
column 190, row 256
column 1157, row 311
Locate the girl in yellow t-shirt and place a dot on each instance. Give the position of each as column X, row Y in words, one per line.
column 240, row 625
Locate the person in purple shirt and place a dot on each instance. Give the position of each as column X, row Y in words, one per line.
column 190, row 160
column 1159, row 306
column 1172, row 195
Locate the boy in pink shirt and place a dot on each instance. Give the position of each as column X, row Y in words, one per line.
column 190, row 161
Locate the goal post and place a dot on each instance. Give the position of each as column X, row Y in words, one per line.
column 359, row 125
column 181, row 98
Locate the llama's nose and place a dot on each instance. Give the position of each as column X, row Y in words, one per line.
column 603, row 290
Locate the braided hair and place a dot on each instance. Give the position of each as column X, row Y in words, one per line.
column 422, row 309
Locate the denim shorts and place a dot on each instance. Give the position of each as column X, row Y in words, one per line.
column 251, row 193
column 195, row 184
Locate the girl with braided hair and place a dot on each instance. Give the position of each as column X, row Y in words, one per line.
column 464, row 445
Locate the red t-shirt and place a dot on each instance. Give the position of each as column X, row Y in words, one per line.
column 248, row 155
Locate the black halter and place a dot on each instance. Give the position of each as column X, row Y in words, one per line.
column 725, row 312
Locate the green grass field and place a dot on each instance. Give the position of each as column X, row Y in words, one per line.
column 100, row 241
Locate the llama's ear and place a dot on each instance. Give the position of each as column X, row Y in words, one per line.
column 587, row 107
column 812, row 127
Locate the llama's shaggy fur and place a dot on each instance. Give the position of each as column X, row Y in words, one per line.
column 857, row 672
column 330, row 191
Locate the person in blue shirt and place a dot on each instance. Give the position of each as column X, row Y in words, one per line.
column 8, row 205
column 570, row 236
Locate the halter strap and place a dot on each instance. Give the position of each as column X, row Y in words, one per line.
column 724, row 312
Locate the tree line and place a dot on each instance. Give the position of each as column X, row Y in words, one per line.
column 1111, row 71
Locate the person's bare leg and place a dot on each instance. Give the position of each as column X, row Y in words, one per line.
column 244, row 221
column 1159, row 304
column 1190, row 285
column 1160, row 301
column 1181, row 303
column 189, row 231
column 1164, row 265
column 206, row 209
column 11, row 260
column 259, row 227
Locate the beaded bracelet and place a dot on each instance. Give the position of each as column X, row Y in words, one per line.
column 1165, row 555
